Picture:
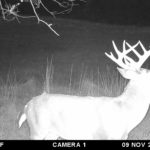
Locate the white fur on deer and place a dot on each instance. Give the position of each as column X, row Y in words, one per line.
column 51, row 116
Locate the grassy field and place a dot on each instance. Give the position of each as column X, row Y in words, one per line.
column 33, row 59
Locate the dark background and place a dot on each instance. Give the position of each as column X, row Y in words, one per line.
column 126, row 12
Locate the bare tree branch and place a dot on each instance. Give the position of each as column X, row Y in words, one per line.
column 11, row 12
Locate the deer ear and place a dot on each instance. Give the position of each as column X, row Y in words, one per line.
column 128, row 74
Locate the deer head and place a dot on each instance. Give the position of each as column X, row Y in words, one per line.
column 131, row 69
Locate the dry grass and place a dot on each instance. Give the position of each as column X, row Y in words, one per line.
column 87, row 83
column 14, row 95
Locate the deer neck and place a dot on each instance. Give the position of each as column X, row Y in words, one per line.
column 135, row 92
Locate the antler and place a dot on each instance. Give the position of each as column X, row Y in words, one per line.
column 125, row 61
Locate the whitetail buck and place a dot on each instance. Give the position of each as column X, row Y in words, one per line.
column 51, row 116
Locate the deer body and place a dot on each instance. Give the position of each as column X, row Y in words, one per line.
column 50, row 116
column 70, row 117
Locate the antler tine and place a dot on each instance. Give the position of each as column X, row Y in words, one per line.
column 142, row 58
column 131, row 48
column 126, row 58
column 126, row 62
column 129, row 61
column 120, row 56
column 144, row 50
column 116, row 49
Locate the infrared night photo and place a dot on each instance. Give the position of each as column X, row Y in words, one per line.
column 75, row 70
